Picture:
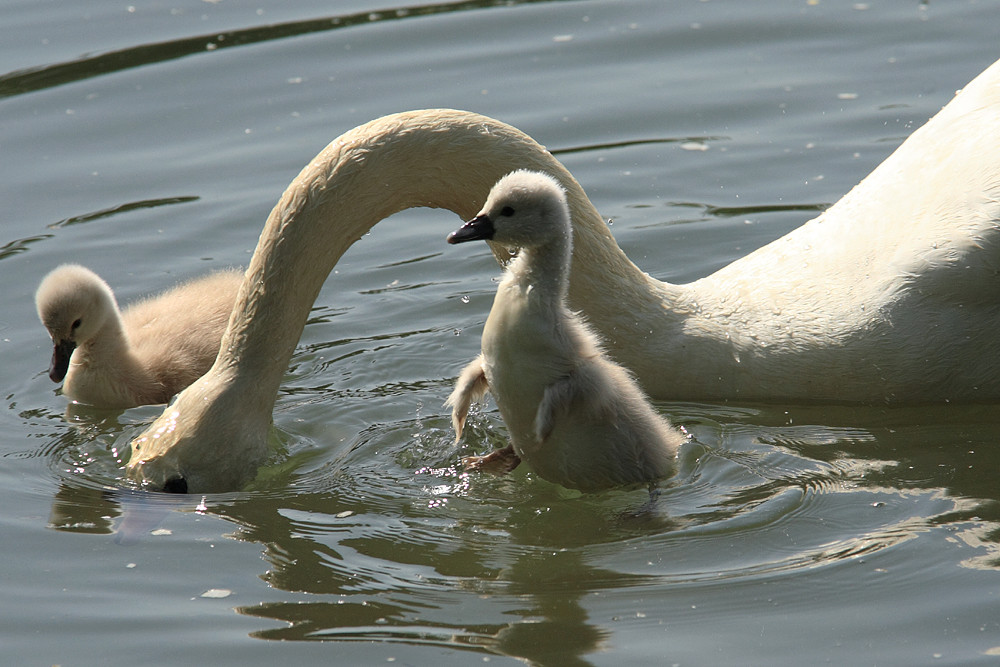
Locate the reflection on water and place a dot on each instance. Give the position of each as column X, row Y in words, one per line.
column 539, row 593
column 81, row 509
column 387, row 541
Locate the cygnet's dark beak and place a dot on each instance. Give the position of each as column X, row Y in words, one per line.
column 61, row 353
column 480, row 228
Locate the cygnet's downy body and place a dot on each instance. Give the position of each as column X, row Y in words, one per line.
column 576, row 417
column 144, row 355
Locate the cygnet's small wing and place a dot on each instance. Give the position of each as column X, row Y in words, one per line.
column 470, row 387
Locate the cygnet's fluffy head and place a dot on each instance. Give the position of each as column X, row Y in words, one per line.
column 73, row 304
column 524, row 209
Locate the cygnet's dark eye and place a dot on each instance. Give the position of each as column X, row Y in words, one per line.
column 507, row 211
column 76, row 324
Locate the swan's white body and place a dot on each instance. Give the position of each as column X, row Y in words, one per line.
column 577, row 418
column 892, row 294
column 141, row 356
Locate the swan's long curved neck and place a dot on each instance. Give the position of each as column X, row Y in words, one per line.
column 440, row 159
column 448, row 160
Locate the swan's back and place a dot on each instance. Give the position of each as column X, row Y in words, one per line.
column 902, row 275
column 929, row 207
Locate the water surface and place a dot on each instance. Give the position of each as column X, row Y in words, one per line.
column 149, row 142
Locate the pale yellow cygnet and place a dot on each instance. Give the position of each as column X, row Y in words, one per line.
column 576, row 417
column 144, row 355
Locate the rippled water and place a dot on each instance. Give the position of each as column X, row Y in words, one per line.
column 149, row 142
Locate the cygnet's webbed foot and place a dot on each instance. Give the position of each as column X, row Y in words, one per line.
column 498, row 462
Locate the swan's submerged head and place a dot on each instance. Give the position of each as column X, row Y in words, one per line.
column 524, row 209
column 210, row 438
column 74, row 304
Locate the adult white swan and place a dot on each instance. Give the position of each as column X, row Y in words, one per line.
column 893, row 294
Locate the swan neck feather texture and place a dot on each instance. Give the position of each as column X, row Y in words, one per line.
column 443, row 159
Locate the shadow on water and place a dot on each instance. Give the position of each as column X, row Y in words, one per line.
column 33, row 79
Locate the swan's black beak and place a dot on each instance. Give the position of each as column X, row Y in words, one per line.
column 61, row 353
column 480, row 228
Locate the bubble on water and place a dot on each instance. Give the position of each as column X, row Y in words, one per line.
column 217, row 593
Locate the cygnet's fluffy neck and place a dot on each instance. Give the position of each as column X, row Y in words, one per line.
column 545, row 265
column 527, row 212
